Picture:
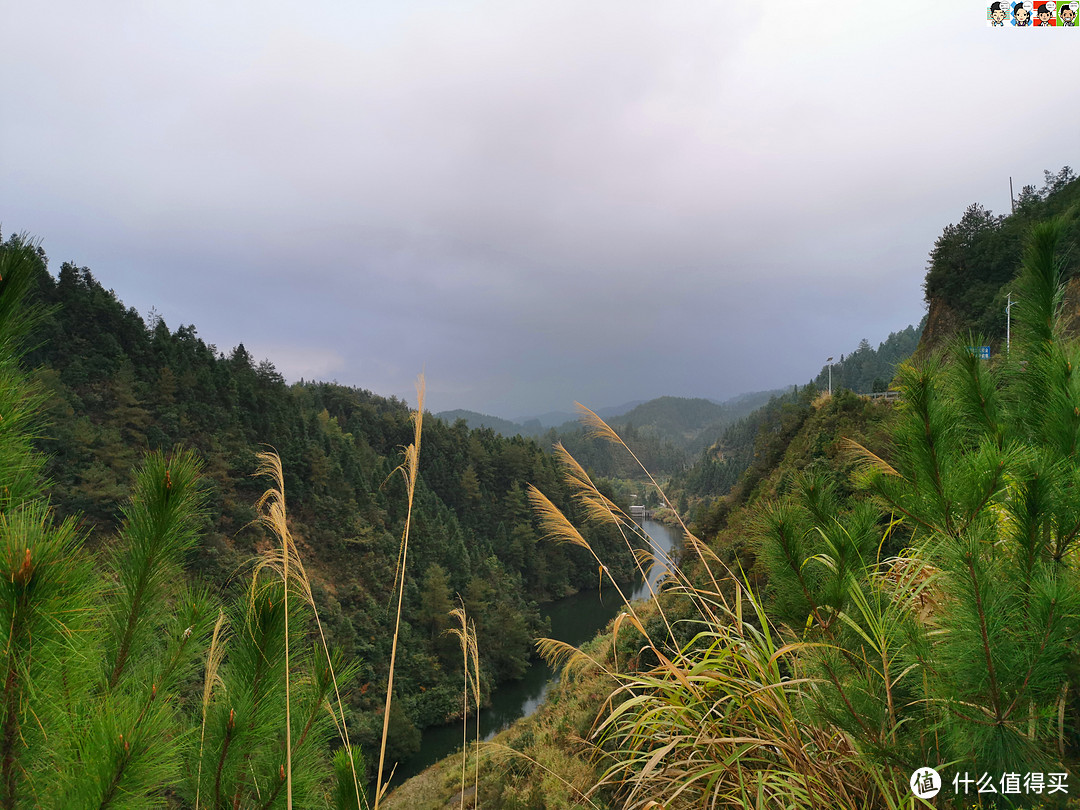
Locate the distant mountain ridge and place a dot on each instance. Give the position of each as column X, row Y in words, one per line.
column 689, row 423
column 558, row 419
column 476, row 420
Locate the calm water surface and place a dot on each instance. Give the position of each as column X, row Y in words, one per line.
column 575, row 620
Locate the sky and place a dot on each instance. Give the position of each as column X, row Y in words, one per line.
column 534, row 203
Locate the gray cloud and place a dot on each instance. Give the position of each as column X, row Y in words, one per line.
column 538, row 202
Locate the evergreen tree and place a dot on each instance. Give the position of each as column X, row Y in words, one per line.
column 99, row 651
column 961, row 648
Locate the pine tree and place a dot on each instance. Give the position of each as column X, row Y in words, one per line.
column 98, row 652
column 92, row 654
column 960, row 649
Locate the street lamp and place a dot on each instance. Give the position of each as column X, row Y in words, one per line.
column 1008, row 324
column 829, row 361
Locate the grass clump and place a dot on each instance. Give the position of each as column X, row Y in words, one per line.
column 928, row 618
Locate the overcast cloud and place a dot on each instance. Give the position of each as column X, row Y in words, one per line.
column 536, row 202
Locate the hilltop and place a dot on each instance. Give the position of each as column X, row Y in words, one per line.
column 972, row 267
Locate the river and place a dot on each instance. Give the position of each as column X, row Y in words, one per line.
column 575, row 620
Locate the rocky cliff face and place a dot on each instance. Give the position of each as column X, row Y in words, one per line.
column 942, row 322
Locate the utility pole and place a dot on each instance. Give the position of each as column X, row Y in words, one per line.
column 1008, row 325
column 1012, row 199
column 829, row 361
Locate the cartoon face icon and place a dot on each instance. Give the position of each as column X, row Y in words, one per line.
column 1044, row 15
column 1021, row 14
column 997, row 13
column 1068, row 14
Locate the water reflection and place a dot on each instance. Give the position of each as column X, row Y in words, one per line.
column 575, row 620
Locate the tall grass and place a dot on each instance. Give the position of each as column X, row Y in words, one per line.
column 210, row 680
column 721, row 718
column 287, row 562
column 465, row 633
column 409, row 468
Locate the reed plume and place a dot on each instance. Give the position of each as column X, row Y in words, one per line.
column 409, row 468
column 210, row 680
column 466, row 636
column 289, row 565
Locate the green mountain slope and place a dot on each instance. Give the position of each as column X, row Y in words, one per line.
column 118, row 387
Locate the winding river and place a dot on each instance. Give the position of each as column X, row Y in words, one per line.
column 575, row 620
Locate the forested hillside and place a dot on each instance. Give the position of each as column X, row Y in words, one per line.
column 974, row 261
column 119, row 387
column 867, row 370
column 664, row 455
column 749, row 449
column 478, row 421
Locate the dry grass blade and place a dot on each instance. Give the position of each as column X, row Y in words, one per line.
column 869, row 460
column 719, row 717
column 913, row 581
column 599, row 428
column 617, row 625
column 287, row 563
column 573, row 472
column 627, row 617
column 645, row 558
column 462, row 634
column 466, row 636
column 474, row 656
column 567, row 657
column 211, row 679
column 271, row 507
column 559, row 528
column 600, row 509
column 410, row 468
column 554, row 523
column 595, row 427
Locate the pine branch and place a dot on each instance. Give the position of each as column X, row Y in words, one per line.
column 1034, row 663
column 995, row 696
